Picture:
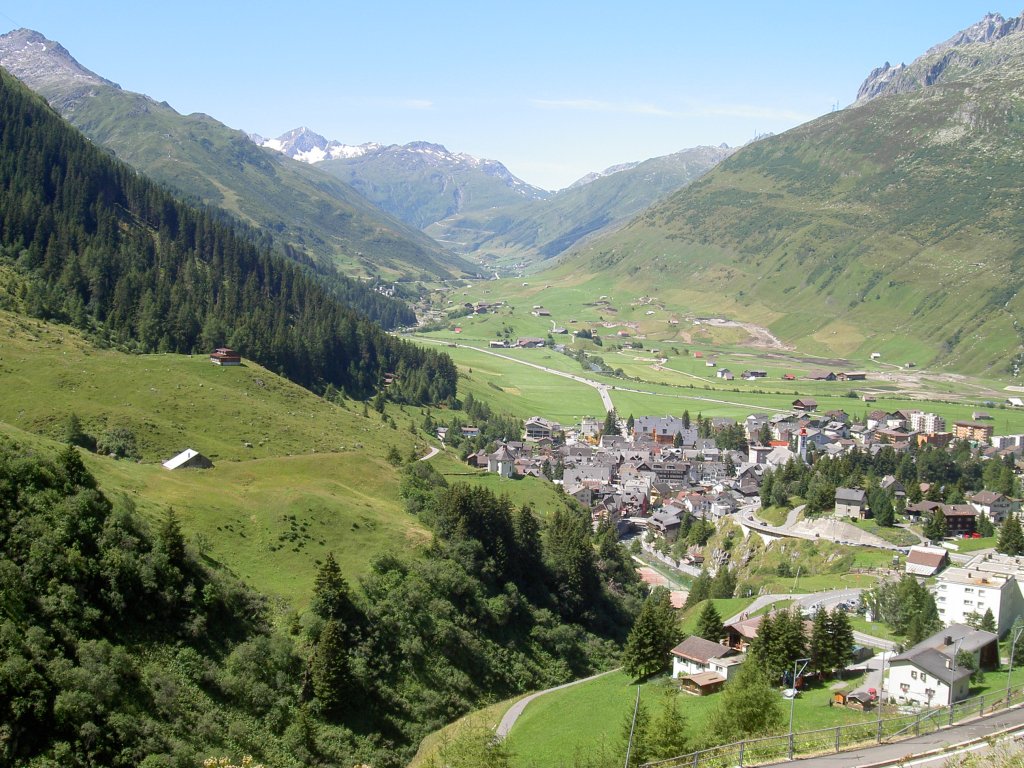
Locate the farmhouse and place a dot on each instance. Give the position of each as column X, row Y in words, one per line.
column 538, row 428
column 805, row 404
column 188, row 459
column 992, row 505
column 530, row 342
column 821, row 376
column 225, row 356
column 703, row 666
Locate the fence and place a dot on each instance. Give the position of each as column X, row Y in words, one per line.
column 774, row 749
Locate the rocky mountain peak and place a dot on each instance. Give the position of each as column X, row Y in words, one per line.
column 36, row 61
column 992, row 27
column 930, row 67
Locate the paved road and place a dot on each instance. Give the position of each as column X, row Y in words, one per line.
column 602, row 389
column 903, row 752
column 430, row 454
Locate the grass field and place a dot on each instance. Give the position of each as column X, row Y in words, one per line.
column 542, row 495
column 726, row 609
column 686, row 383
column 294, row 476
column 966, row 546
column 557, row 727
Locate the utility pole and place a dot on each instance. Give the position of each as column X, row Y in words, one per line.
column 1013, row 645
column 792, row 701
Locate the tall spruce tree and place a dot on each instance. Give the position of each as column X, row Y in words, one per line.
column 709, row 623
column 1011, row 538
column 653, row 635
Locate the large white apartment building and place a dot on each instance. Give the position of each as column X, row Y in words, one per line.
column 929, row 423
column 991, row 580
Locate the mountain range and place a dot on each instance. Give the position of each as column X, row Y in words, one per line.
column 892, row 226
column 477, row 207
column 303, row 207
column 419, row 183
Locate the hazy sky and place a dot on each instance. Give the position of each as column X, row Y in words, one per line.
column 553, row 90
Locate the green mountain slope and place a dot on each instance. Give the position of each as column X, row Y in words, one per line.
column 894, row 226
column 541, row 229
column 208, row 161
column 87, row 240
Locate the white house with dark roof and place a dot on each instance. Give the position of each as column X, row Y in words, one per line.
column 928, row 673
column 502, row 461
column 696, row 656
column 993, row 505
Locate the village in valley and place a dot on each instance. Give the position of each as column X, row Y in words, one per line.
column 689, row 494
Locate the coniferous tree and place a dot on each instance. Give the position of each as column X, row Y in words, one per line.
column 332, row 598
column 935, row 528
column 840, row 639
column 1011, row 537
column 723, row 586
column 821, row 642
column 988, row 622
column 667, row 736
column 329, row 673
column 709, row 623
column 653, row 635
column 636, row 728
column 700, row 589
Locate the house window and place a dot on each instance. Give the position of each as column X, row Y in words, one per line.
column 968, row 589
column 924, row 678
column 904, row 687
column 913, row 675
column 968, row 602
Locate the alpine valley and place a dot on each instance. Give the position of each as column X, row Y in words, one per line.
column 328, row 454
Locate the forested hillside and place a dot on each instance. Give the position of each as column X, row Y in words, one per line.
column 202, row 159
column 118, row 647
column 85, row 239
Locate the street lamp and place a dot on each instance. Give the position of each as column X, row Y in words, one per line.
column 1013, row 645
column 792, row 701
column 881, row 691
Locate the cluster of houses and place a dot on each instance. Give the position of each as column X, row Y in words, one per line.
column 663, row 470
column 931, row 673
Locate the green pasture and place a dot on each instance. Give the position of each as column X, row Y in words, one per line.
column 560, row 726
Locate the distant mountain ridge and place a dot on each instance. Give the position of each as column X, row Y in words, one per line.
column 419, row 183
column 306, row 146
column 941, row 61
column 598, row 203
column 305, row 209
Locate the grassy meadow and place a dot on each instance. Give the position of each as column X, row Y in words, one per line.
column 294, row 476
column 670, row 373
column 559, row 726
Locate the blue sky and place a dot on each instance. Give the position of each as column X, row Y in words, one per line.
column 552, row 89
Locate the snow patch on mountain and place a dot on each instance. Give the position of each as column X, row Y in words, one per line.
column 309, row 147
